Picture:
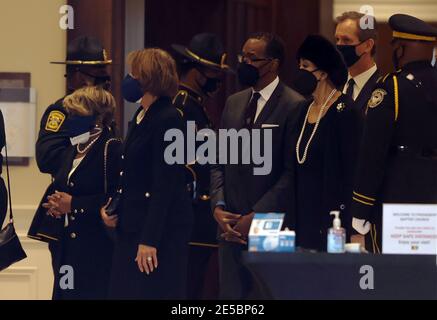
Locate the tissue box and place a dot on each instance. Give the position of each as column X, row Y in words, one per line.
column 265, row 234
column 282, row 242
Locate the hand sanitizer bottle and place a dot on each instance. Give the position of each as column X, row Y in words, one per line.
column 336, row 235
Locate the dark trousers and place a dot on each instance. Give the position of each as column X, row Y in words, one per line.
column 167, row 282
column 235, row 279
column 203, row 283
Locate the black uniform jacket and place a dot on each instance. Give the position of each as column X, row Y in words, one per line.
column 398, row 158
column 190, row 103
column 53, row 139
column 360, row 102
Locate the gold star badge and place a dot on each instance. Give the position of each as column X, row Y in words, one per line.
column 55, row 121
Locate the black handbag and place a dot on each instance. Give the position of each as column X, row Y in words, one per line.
column 11, row 250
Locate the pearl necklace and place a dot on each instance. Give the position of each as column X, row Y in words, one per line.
column 85, row 150
column 301, row 160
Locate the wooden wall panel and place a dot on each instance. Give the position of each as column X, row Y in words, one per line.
column 170, row 22
column 104, row 19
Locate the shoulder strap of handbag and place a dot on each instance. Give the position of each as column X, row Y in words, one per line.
column 11, row 216
column 105, row 162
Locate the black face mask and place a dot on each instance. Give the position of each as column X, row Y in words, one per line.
column 397, row 57
column 305, row 82
column 248, row 75
column 103, row 81
column 131, row 89
column 349, row 54
column 211, row 85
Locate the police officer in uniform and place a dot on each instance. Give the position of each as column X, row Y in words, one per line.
column 398, row 157
column 86, row 63
column 201, row 68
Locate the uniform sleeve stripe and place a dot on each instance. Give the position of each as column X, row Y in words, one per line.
column 363, row 202
column 396, row 87
column 363, row 196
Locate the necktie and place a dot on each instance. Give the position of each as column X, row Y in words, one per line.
column 249, row 117
column 350, row 88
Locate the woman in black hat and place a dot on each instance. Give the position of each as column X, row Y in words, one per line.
column 327, row 136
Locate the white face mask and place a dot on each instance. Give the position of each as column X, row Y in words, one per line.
column 433, row 61
column 83, row 138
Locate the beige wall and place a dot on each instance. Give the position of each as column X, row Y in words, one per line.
column 30, row 37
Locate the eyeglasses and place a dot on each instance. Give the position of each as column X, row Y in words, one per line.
column 243, row 58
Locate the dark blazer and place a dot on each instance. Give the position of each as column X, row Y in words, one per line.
column 84, row 244
column 236, row 185
column 360, row 102
column 344, row 125
column 153, row 192
column 155, row 209
column 241, row 191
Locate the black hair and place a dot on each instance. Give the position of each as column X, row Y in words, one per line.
column 275, row 47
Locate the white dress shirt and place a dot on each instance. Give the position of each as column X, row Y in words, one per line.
column 265, row 93
column 360, row 81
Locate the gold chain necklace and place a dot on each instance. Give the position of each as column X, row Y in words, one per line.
column 301, row 160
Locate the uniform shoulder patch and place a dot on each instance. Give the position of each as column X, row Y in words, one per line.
column 377, row 98
column 55, row 121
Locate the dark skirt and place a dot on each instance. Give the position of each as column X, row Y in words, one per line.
column 168, row 282
column 89, row 256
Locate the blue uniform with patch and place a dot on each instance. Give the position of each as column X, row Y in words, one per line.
column 53, row 139
column 398, row 157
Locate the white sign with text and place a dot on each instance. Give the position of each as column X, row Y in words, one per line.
column 409, row 229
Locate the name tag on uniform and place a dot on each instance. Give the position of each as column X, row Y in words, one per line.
column 409, row 229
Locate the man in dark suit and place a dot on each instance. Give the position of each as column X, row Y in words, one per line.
column 356, row 36
column 86, row 63
column 236, row 193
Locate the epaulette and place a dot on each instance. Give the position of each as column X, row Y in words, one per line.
column 413, row 80
column 382, row 79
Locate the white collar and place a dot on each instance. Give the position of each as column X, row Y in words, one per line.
column 267, row 92
column 362, row 78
